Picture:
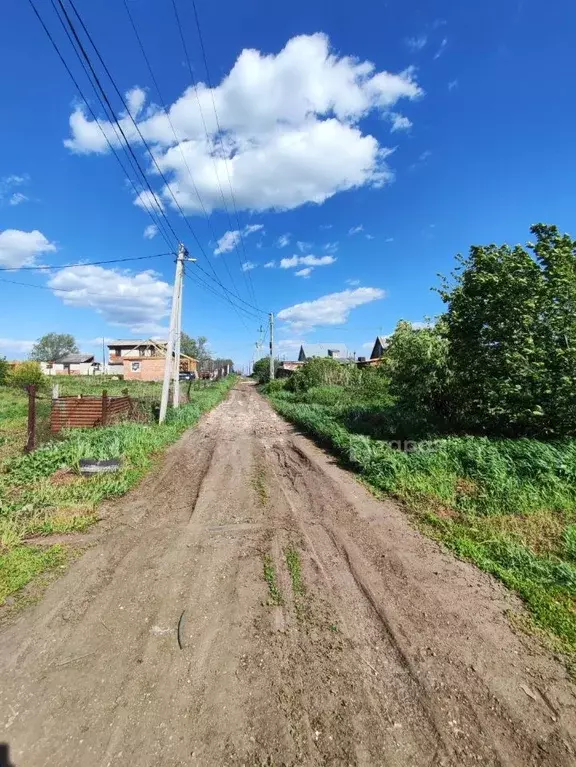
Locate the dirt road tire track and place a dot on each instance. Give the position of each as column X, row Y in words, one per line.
column 392, row 653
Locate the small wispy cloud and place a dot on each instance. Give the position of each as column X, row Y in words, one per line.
column 17, row 198
column 440, row 50
column 270, row 265
column 331, row 247
column 151, row 231
column 369, row 236
column 399, row 122
column 353, row 283
column 423, row 158
column 356, row 229
column 304, row 272
column 303, row 246
column 326, row 226
column 389, row 239
column 247, row 266
column 417, row 43
column 283, row 240
column 452, row 84
column 294, row 261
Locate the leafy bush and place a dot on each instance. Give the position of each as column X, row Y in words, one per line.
column 261, row 369
column 323, row 371
column 4, row 370
column 25, row 374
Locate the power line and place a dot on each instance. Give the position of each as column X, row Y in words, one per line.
column 222, row 297
column 107, row 100
column 85, row 263
column 255, row 308
column 79, row 89
column 178, row 140
column 219, row 134
column 195, row 87
column 129, row 114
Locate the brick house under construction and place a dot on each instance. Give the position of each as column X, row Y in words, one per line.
column 142, row 359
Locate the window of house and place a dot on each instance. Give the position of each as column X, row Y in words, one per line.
column 135, row 367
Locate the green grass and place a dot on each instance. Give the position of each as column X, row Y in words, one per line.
column 22, row 563
column 36, row 501
column 270, row 578
column 509, row 506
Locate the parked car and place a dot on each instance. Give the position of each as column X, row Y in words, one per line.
column 187, row 376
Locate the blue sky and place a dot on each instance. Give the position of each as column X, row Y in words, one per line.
column 365, row 147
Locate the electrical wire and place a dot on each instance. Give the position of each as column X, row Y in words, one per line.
column 178, row 141
column 129, row 114
column 79, row 89
column 195, row 87
column 85, row 263
column 198, row 280
column 219, row 134
column 84, row 53
column 255, row 308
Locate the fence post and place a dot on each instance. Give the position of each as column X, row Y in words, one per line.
column 104, row 407
column 55, row 391
column 31, row 444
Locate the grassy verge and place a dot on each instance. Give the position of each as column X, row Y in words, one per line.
column 43, row 493
column 509, row 506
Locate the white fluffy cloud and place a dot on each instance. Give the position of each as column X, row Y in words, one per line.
column 19, row 248
column 136, row 301
column 151, row 231
column 247, row 266
column 284, row 118
column 332, row 309
column 304, row 272
column 293, row 261
column 230, row 240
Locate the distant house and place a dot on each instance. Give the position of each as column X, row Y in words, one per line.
column 377, row 353
column 379, row 347
column 72, row 365
column 333, row 350
column 142, row 359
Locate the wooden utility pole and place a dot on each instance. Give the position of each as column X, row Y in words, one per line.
column 174, row 323
column 271, row 318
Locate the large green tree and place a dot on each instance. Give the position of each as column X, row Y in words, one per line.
column 53, row 346
column 511, row 330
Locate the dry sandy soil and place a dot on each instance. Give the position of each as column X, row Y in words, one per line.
column 163, row 646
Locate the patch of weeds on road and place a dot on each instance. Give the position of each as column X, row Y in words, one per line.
column 295, row 569
column 270, row 578
column 259, row 484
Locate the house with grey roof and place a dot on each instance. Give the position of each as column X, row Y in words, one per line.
column 72, row 365
column 334, row 351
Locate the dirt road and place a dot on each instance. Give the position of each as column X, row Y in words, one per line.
column 162, row 644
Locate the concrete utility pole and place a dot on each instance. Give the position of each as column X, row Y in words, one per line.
column 176, row 386
column 175, row 323
column 271, row 318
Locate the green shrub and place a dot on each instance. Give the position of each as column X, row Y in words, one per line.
column 27, row 373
